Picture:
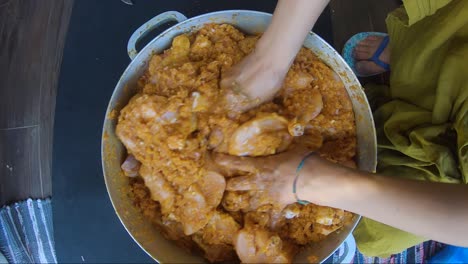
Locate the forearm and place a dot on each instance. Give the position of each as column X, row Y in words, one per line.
column 433, row 210
column 292, row 21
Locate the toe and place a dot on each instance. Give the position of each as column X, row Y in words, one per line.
column 362, row 48
column 368, row 68
column 370, row 45
column 372, row 42
column 373, row 38
column 366, row 43
column 361, row 54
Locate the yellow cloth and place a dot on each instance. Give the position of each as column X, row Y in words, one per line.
column 422, row 128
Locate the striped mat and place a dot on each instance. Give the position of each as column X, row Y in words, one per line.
column 26, row 232
column 418, row 254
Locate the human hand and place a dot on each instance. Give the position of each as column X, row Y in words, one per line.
column 320, row 181
column 255, row 80
column 273, row 176
column 260, row 75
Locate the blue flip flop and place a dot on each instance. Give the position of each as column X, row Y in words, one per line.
column 352, row 43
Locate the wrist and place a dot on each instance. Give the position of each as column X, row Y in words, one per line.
column 278, row 55
column 328, row 184
column 308, row 185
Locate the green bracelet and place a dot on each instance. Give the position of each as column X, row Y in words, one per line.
column 298, row 169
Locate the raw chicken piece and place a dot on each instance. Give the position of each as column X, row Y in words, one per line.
column 192, row 210
column 133, row 119
column 198, row 202
column 311, row 222
column 312, row 140
column 257, row 245
column 212, row 185
column 305, row 105
column 160, row 189
column 261, row 136
column 149, row 115
column 328, row 216
column 179, row 51
column 341, row 150
column 328, row 220
column 200, row 47
column 176, row 142
column 216, row 238
column 173, row 230
column 326, row 229
column 200, row 102
column 247, row 45
column 217, row 252
column 221, row 132
column 131, row 166
column 264, row 212
column 254, row 202
column 236, row 201
column 220, row 229
column 297, row 80
column 301, row 100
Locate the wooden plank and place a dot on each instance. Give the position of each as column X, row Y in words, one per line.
column 32, row 37
column 19, row 168
column 58, row 21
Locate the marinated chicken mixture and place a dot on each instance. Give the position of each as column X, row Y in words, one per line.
column 174, row 128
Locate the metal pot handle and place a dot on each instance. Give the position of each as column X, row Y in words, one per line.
column 149, row 26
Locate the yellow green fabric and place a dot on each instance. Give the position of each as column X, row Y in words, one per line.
column 419, row 9
column 422, row 117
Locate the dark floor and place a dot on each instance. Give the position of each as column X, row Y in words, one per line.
column 351, row 17
column 32, row 39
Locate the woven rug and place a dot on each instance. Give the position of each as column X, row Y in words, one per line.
column 26, row 232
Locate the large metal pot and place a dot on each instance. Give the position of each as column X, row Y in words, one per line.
column 113, row 152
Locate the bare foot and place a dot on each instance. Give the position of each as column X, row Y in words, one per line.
column 364, row 51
